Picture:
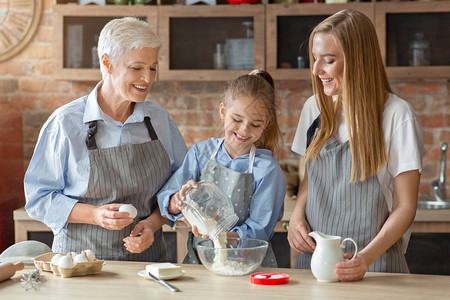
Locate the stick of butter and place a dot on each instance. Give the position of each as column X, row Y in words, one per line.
column 164, row 269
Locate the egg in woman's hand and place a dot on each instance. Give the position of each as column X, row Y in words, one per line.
column 130, row 209
column 80, row 258
column 65, row 262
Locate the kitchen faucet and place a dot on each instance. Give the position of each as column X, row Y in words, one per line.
column 439, row 184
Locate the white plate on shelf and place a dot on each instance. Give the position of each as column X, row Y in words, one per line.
column 144, row 274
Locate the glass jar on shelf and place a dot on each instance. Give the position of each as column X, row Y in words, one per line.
column 419, row 51
column 95, row 64
column 220, row 60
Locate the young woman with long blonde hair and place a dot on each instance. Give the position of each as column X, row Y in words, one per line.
column 363, row 148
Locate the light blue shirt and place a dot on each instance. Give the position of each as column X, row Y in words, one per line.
column 59, row 169
column 269, row 186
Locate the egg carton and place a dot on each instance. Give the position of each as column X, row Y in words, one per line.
column 43, row 263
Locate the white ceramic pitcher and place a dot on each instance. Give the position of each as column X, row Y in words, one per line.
column 327, row 254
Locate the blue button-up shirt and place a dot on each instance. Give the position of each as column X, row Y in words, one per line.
column 59, row 169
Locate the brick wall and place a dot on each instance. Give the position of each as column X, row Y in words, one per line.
column 11, row 170
column 26, row 80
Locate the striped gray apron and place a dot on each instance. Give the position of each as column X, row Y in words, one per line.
column 239, row 188
column 337, row 207
column 130, row 174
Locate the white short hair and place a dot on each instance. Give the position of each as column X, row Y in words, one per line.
column 121, row 35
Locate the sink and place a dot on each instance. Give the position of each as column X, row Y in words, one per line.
column 439, row 199
column 430, row 203
column 433, row 205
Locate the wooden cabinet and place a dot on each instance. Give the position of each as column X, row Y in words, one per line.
column 75, row 28
column 279, row 35
column 288, row 27
column 191, row 35
column 398, row 24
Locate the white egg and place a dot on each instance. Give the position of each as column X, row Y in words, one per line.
column 71, row 255
column 89, row 254
column 65, row 262
column 130, row 209
column 55, row 258
column 80, row 258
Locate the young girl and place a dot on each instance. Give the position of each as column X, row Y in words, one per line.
column 241, row 163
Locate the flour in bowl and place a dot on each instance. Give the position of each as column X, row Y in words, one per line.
column 207, row 225
column 221, row 264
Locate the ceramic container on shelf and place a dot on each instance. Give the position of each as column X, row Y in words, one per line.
column 240, row 51
column 327, row 254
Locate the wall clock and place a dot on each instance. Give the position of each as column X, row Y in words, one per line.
column 19, row 20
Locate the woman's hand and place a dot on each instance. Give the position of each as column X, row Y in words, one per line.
column 298, row 237
column 176, row 201
column 352, row 270
column 141, row 237
column 109, row 217
column 406, row 189
column 143, row 234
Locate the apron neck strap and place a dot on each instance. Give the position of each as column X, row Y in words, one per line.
column 92, row 130
column 213, row 155
column 251, row 158
column 150, row 128
column 90, row 136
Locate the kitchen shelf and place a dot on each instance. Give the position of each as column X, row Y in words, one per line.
column 191, row 33
column 72, row 58
column 288, row 27
column 397, row 23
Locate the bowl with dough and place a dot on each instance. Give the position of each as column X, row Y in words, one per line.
column 232, row 256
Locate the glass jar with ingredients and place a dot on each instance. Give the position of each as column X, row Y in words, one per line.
column 220, row 61
column 419, row 51
column 207, row 207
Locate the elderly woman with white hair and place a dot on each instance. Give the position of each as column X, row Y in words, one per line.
column 106, row 149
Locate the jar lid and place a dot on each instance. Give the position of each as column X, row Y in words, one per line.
column 269, row 278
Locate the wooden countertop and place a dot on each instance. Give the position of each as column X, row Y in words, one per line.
column 422, row 215
column 119, row 280
column 426, row 220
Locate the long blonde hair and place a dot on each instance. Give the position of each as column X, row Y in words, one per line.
column 365, row 92
column 258, row 85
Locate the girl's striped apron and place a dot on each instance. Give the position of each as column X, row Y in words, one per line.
column 336, row 206
column 130, row 174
